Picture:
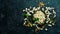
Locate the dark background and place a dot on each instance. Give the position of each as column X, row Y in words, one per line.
column 11, row 17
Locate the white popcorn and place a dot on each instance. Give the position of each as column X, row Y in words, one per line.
column 47, row 21
column 31, row 11
column 49, row 8
column 26, row 9
column 23, row 10
column 42, row 9
column 46, row 8
column 38, row 8
column 54, row 12
column 47, row 16
column 33, row 8
column 28, row 13
column 49, row 25
column 50, row 22
column 53, row 24
column 33, row 24
column 54, row 16
column 25, row 19
column 46, row 11
column 24, row 23
column 46, row 29
column 41, row 28
column 49, row 13
column 37, row 27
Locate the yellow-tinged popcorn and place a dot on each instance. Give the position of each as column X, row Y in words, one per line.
column 40, row 15
column 41, row 4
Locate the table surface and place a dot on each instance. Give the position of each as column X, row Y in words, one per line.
column 11, row 19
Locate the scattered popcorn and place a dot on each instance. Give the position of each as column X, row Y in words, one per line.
column 40, row 16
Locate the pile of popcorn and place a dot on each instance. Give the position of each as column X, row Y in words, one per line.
column 39, row 17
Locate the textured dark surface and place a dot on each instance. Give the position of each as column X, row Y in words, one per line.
column 11, row 18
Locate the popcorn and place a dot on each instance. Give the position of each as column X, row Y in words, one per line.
column 33, row 8
column 23, row 10
column 38, row 8
column 47, row 21
column 31, row 11
column 49, row 25
column 53, row 24
column 43, row 9
column 42, row 17
column 49, row 8
column 28, row 9
column 28, row 13
column 46, row 29
column 25, row 19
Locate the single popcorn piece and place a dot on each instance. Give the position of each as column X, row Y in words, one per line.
column 23, row 10
column 25, row 19
column 34, row 8
column 31, row 11
column 49, row 25
column 46, row 29
column 38, row 8
column 43, row 9
column 41, row 4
